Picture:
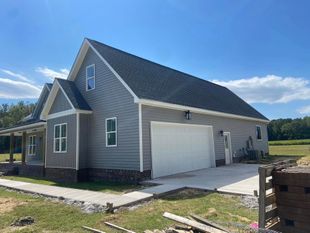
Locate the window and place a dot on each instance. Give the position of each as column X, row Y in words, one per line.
column 111, row 132
column 258, row 132
column 90, row 77
column 60, row 138
column 32, row 145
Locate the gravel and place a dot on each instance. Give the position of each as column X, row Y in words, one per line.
column 249, row 202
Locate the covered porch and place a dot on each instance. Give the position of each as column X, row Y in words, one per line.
column 33, row 142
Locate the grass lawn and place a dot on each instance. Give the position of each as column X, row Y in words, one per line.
column 290, row 142
column 290, row 150
column 57, row 217
column 4, row 157
column 101, row 186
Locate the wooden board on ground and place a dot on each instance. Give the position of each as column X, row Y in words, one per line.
column 118, row 227
column 208, row 222
column 194, row 224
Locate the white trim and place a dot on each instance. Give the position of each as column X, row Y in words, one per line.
column 78, row 60
column 60, row 138
column 261, row 133
column 77, row 149
column 229, row 147
column 88, row 78
column 61, row 114
column 113, row 71
column 196, row 110
column 106, row 131
column 45, row 155
column 140, row 138
column 23, row 127
column 33, row 136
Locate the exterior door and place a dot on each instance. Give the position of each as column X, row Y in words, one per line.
column 227, row 146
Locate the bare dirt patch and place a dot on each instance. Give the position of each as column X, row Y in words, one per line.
column 8, row 204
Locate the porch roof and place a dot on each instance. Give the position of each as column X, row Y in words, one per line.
column 30, row 124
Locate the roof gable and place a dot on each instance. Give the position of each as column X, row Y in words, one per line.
column 72, row 95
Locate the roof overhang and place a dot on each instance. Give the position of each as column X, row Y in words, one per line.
column 197, row 110
column 22, row 128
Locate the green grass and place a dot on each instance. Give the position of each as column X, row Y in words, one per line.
column 4, row 157
column 290, row 150
column 100, row 186
column 290, row 142
column 56, row 217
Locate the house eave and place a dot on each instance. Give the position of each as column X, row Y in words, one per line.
column 160, row 104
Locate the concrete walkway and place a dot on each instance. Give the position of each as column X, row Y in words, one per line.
column 236, row 178
column 93, row 197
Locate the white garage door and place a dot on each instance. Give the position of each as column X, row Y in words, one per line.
column 180, row 148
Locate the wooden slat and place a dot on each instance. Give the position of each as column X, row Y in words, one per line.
column 262, row 196
column 93, row 229
column 270, row 199
column 194, row 224
column 271, row 214
column 118, row 227
column 208, row 222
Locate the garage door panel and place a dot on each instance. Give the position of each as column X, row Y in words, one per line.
column 180, row 147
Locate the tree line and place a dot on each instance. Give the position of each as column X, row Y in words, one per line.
column 288, row 129
column 11, row 115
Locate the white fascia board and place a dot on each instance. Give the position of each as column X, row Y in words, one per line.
column 49, row 101
column 197, row 110
column 38, row 124
column 78, row 60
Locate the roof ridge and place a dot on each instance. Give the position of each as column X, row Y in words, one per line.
column 155, row 63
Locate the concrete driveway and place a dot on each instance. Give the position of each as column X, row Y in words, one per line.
column 234, row 178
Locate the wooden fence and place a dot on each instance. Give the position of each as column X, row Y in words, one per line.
column 268, row 212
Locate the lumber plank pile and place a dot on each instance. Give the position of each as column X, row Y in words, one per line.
column 193, row 224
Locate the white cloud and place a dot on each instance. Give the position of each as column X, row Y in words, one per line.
column 62, row 73
column 304, row 110
column 269, row 89
column 10, row 89
column 19, row 76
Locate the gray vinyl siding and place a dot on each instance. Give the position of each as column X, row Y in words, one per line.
column 38, row 156
column 83, row 151
column 62, row 160
column 240, row 130
column 109, row 99
column 60, row 103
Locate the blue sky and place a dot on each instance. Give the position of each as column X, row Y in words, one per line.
column 258, row 49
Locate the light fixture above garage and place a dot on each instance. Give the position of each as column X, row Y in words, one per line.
column 188, row 115
column 221, row 133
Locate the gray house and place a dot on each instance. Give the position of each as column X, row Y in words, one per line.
column 121, row 117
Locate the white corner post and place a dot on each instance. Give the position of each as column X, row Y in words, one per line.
column 77, row 149
column 140, row 138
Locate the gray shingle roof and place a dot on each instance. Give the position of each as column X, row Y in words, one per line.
column 73, row 94
column 149, row 80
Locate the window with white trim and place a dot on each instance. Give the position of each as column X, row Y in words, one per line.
column 60, row 138
column 258, row 132
column 32, row 145
column 90, row 77
column 111, row 132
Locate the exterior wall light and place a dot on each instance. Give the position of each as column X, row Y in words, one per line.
column 221, row 133
column 188, row 115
